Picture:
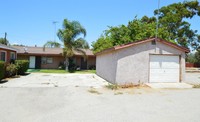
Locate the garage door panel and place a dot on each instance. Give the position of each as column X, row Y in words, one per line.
column 164, row 68
column 167, row 65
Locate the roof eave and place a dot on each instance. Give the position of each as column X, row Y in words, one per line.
column 186, row 50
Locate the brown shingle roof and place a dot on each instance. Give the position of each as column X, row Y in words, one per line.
column 7, row 47
column 144, row 41
column 47, row 51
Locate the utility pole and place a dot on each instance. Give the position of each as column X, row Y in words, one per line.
column 55, row 22
column 157, row 23
column 5, row 38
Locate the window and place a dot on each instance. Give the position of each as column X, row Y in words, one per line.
column 47, row 60
column 3, row 56
column 12, row 56
column 44, row 60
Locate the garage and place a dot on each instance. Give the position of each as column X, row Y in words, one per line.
column 164, row 68
column 152, row 60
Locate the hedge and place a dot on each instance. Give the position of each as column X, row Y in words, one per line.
column 22, row 66
column 2, row 70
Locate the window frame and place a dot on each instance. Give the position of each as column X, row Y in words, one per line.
column 45, row 60
column 5, row 55
column 11, row 56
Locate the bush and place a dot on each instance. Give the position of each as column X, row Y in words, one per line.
column 72, row 65
column 22, row 66
column 2, row 70
column 11, row 70
column 61, row 66
column 92, row 67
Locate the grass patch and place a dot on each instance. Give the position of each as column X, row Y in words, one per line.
column 59, row 71
column 112, row 86
column 93, row 91
column 86, row 71
column 196, row 86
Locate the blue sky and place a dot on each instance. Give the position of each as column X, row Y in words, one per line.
column 29, row 22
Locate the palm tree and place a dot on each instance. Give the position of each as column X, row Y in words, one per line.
column 52, row 44
column 69, row 36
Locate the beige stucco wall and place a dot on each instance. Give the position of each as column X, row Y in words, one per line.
column 106, row 66
column 131, row 65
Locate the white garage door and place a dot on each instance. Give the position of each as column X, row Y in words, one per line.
column 164, row 68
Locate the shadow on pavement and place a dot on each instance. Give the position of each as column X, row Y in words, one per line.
column 3, row 81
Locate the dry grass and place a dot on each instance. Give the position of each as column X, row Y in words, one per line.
column 196, row 86
column 118, row 93
column 93, row 91
column 112, row 86
column 126, row 86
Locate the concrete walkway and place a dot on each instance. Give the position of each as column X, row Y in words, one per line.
column 55, row 80
column 169, row 85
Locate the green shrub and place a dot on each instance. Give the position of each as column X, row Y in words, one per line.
column 72, row 65
column 11, row 70
column 22, row 66
column 2, row 70
column 61, row 66
column 92, row 67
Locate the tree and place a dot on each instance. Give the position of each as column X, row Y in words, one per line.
column 173, row 26
column 174, row 17
column 52, row 44
column 4, row 41
column 197, row 56
column 69, row 36
column 136, row 29
column 191, row 58
column 101, row 44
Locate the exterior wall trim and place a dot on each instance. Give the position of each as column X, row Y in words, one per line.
column 5, row 55
column 8, row 48
column 141, row 42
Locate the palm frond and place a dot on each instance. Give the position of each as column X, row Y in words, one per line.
column 52, row 44
column 81, row 43
column 81, row 51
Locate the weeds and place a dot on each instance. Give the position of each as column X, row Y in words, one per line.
column 118, row 93
column 112, row 86
column 196, row 86
column 93, row 91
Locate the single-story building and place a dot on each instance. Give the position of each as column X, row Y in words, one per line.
column 7, row 53
column 150, row 60
column 52, row 58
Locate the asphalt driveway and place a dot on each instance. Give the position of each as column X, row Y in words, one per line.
column 83, row 98
column 192, row 78
column 77, row 104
